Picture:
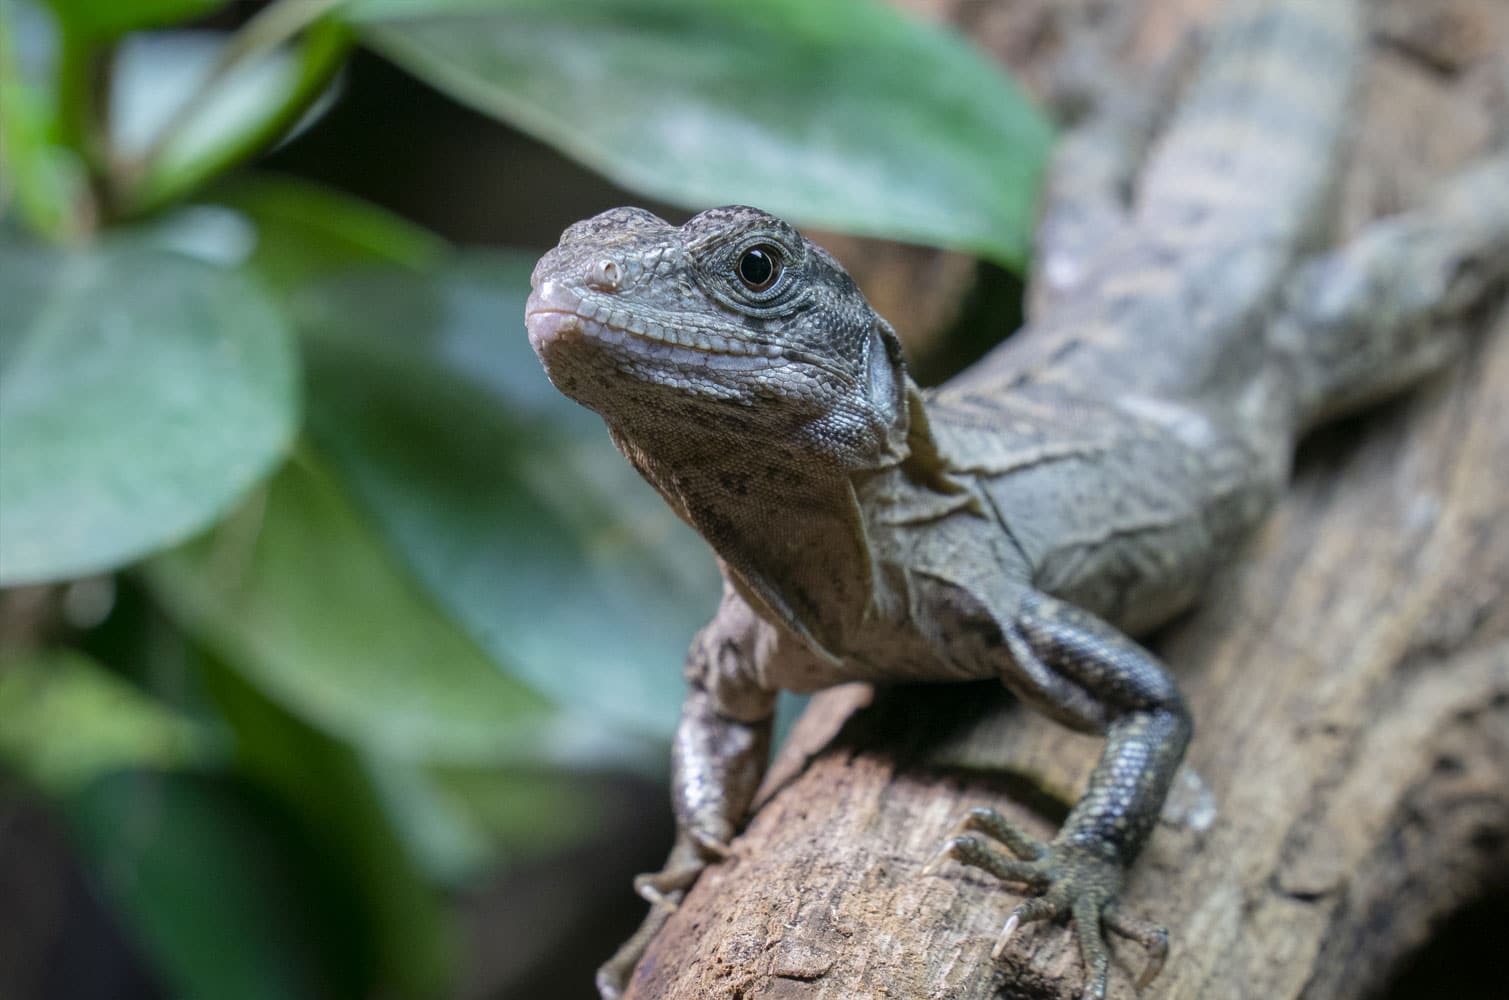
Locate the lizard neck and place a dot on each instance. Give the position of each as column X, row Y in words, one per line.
column 790, row 529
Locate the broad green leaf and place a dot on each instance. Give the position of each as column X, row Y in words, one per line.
column 142, row 393
column 108, row 18
column 840, row 113
column 221, row 890
column 305, row 232
column 505, row 499
column 65, row 720
column 299, row 596
column 335, row 793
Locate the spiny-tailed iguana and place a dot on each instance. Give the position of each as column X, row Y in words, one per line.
column 1077, row 485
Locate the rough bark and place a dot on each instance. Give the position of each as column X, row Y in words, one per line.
column 1348, row 785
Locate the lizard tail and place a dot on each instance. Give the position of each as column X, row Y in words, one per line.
column 1228, row 197
column 1367, row 320
column 1251, row 152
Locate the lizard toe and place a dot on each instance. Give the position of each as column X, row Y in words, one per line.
column 1065, row 882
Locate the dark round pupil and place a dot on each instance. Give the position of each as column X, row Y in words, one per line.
column 757, row 267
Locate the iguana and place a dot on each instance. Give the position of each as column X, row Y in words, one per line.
column 1076, row 486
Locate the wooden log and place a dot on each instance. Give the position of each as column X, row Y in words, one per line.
column 1348, row 784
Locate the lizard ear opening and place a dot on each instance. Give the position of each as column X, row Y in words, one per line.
column 898, row 402
column 887, row 380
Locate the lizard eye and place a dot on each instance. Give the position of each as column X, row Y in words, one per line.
column 759, row 267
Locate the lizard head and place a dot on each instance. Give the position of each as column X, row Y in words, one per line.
column 733, row 326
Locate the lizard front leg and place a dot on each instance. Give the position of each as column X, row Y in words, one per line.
column 717, row 761
column 1079, row 670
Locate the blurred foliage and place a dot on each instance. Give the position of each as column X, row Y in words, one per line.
column 120, row 350
column 48, row 697
column 371, row 599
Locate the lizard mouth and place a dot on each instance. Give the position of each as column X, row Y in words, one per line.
column 555, row 316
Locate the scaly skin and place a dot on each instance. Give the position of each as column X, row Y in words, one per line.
column 1076, row 486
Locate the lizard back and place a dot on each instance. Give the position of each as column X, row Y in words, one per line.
column 1132, row 435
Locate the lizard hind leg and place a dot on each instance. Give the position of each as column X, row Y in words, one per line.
column 1374, row 316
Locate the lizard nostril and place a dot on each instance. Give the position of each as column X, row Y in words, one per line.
column 605, row 276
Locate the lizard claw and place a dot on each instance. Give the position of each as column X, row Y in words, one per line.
column 947, row 852
column 1006, row 932
column 1030, row 911
column 1153, row 938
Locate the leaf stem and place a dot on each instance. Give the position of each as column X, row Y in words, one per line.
column 145, row 186
column 81, row 125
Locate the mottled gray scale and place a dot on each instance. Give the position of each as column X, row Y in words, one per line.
column 996, row 438
column 1122, row 494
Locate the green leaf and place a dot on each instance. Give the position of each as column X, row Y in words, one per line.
column 842, row 113
column 224, row 895
column 506, row 500
column 306, row 232
column 142, row 393
column 304, row 602
column 108, row 18
column 65, row 720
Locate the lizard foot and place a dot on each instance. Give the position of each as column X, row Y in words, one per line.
column 1067, row 881
column 664, row 890
column 613, row 975
column 666, row 887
